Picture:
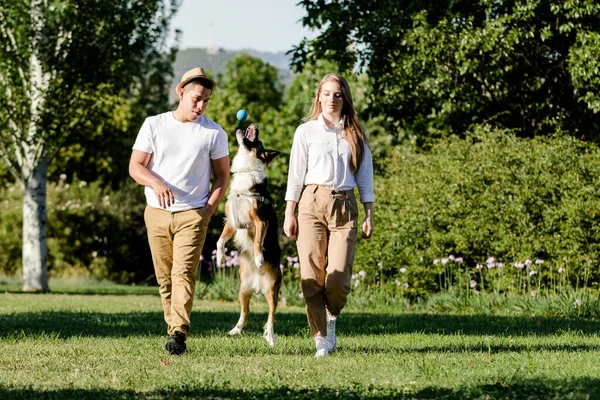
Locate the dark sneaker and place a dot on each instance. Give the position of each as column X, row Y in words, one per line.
column 176, row 344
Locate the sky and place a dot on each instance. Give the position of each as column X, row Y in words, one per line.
column 263, row 25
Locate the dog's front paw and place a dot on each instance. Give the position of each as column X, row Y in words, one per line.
column 259, row 260
column 220, row 253
column 220, row 258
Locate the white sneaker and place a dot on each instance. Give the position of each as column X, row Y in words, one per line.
column 321, row 343
column 331, row 339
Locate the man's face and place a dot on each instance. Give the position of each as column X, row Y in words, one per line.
column 193, row 100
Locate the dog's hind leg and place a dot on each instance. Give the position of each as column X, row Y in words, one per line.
column 259, row 238
column 272, row 296
column 245, row 296
column 227, row 234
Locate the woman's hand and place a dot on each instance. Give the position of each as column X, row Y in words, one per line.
column 290, row 226
column 367, row 226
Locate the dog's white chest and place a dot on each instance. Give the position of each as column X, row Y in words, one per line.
column 240, row 207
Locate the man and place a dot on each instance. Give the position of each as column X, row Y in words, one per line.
column 173, row 157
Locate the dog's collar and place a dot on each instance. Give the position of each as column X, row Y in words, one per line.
column 262, row 199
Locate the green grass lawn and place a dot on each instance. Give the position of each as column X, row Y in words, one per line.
column 81, row 343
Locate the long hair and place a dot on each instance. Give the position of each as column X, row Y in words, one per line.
column 355, row 134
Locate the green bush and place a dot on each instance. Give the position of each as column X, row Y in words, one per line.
column 489, row 195
column 11, row 229
column 92, row 231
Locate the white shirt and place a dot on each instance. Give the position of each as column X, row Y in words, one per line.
column 181, row 156
column 321, row 156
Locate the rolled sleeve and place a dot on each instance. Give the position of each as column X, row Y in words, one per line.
column 364, row 178
column 297, row 167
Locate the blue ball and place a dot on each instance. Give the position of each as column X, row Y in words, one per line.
column 242, row 115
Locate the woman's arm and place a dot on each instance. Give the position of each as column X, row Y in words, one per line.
column 290, row 225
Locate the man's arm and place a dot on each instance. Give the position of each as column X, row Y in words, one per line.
column 220, row 168
column 140, row 173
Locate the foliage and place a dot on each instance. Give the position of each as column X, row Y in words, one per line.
column 105, row 65
column 493, row 195
column 92, row 231
column 69, row 69
column 95, row 228
column 11, row 226
column 248, row 83
column 216, row 60
column 490, row 195
column 438, row 67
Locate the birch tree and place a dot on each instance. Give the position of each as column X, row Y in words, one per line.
column 63, row 65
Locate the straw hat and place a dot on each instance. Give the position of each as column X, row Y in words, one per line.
column 192, row 74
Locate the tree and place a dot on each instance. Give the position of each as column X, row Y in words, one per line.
column 438, row 67
column 248, row 83
column 65, row 67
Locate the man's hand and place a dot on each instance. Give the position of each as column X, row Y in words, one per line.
column 163, row 194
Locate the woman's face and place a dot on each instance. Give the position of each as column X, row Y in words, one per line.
column 331, row 99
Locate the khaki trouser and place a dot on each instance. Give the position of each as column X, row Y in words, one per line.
column 327, row 228
column 176, row 240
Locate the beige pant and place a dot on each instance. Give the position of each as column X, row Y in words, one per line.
column 327, row 228
column 176, row 240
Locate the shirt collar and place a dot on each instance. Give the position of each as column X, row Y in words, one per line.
column 337, row 128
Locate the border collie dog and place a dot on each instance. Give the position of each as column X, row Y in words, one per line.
column 250, row 217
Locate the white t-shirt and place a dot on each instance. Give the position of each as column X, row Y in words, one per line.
column 181, row 156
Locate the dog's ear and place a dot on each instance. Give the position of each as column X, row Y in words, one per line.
column 270, row 155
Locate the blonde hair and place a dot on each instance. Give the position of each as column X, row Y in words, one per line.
column 355, row 134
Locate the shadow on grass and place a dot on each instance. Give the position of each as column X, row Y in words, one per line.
column 580, row 388
column 103, row 324
column 109, row 290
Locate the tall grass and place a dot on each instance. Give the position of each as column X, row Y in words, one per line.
column 523, row 285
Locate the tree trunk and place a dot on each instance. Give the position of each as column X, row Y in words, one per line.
column 35, row 267
column 34, row 165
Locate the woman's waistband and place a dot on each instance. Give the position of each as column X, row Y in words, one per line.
column 334, row 192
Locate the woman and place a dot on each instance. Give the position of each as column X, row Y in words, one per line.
column 330, row 155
